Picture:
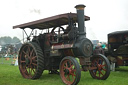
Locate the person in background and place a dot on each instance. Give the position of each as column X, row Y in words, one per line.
column 103, row 46
column 98, row 49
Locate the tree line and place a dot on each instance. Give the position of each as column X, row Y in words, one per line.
column 8, row 40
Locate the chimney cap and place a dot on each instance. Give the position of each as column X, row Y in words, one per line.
column 80, row 6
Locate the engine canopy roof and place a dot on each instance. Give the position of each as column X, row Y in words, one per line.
column 54, row 21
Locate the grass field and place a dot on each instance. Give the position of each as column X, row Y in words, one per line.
column 6, row 60
column 10, row 75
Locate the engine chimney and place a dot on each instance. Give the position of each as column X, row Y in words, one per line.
column 81, row 19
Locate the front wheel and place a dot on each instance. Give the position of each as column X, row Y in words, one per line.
column 102, row 65
column 70, row 72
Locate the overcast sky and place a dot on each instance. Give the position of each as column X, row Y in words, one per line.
column 105, row 15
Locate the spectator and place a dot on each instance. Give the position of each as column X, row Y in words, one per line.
column 98, row 49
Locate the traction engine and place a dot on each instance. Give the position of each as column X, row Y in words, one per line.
column 63, row 49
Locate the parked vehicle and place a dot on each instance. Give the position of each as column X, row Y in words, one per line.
column 59, row 47
column 117, row 48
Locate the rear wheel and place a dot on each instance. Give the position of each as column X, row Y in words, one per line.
column 103, row 67
column 31, row 60
column 70, row 71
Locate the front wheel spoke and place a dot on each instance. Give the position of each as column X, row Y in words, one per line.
column 70, row 63
column 73, row 77
column 66, row 65
column 104, row 69
column 73, row 74
column 103, row 65
column 74, row 70
column 99, row 73
column 68, row 78
column 71, row 66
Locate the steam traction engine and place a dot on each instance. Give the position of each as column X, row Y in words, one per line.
column 61, row 49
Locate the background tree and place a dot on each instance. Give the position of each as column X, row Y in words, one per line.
column 8, row 40
column 16, row 40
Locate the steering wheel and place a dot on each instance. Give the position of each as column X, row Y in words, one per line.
column 57, row 30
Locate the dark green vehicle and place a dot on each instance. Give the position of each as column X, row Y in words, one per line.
column 118, row 48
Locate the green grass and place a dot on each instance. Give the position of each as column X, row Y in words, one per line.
column 4, row 61
column 10, row 75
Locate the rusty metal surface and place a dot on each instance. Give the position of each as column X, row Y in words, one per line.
column 50, row 22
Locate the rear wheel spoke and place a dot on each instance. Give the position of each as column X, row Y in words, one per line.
column 34, row 64
column 22, row 61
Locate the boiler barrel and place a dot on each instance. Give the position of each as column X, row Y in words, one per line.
column 82, row 48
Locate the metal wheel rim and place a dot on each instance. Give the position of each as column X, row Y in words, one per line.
column 68, row 72
column 101, row 68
